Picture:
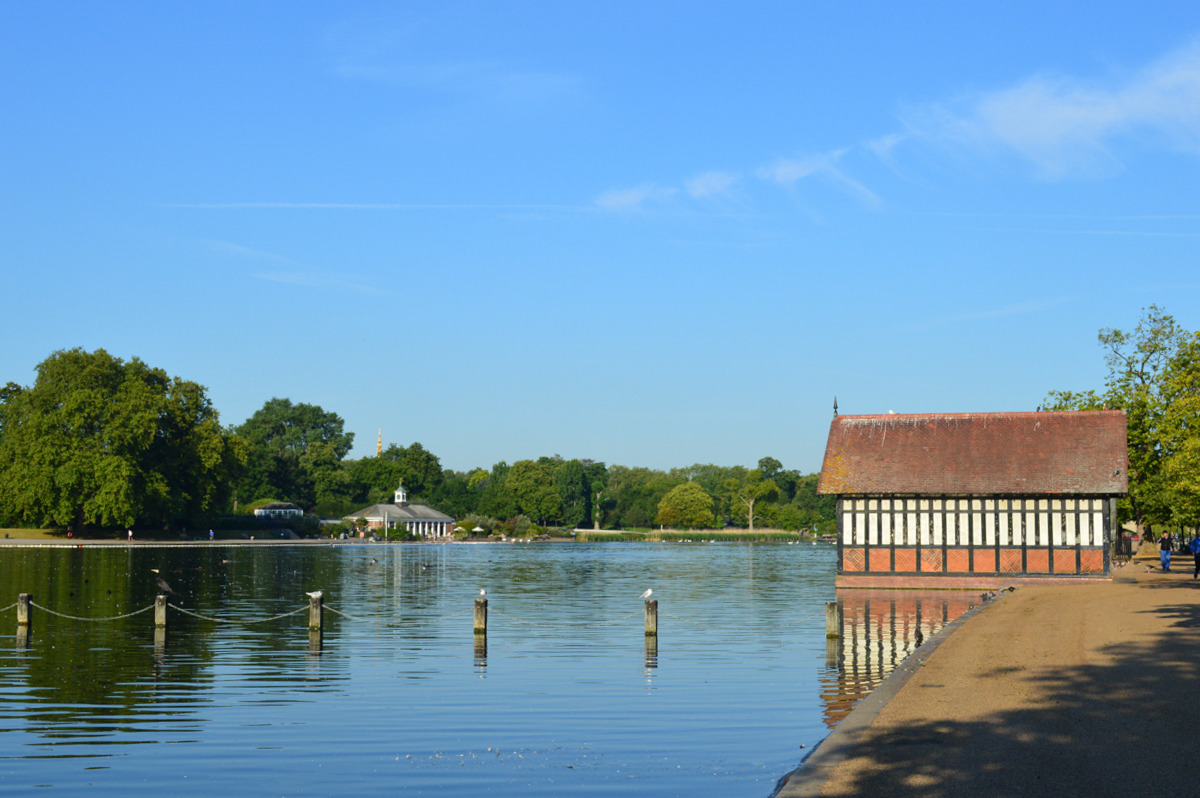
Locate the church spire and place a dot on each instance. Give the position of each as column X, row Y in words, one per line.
column 379, row 444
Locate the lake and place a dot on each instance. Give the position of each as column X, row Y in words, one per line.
column 566, row 697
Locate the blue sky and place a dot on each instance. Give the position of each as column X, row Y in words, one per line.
column 644, row 233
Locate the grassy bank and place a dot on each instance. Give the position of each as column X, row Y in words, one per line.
column 693, row 535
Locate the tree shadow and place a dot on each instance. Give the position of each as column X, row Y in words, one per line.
column 1122, row 727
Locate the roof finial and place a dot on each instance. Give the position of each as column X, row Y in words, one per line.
column 379, row 444
column 835, row 407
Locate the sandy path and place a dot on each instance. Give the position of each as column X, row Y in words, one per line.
column 1077, row 690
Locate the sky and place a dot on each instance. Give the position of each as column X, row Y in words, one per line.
column 643, row 233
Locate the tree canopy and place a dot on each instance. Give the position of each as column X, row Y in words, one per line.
column 686, row 505
column 99, row 442
column 1154, row 376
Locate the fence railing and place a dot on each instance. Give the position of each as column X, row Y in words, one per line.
column 316, row 607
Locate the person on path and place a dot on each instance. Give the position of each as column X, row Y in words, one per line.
column 1195, row 547
column 210, row 535
column 131, row 536
column 1164, row 551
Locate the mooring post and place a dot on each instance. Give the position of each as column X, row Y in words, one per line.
column 651, row 617
column 160, row 611
column 651, row 651
column 481, row 616
column 316, row 610
column 833, row 619
column 23, row 601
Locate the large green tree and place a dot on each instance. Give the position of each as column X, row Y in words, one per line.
column 534, row 490
column 1154, row 376
column 99, row 442
column 748, row 488
column 686, row 505
column 294, row 448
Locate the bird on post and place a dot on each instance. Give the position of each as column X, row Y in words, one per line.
column 482, row 592
column 315, row 594
column 646, row 595
column 163, row 587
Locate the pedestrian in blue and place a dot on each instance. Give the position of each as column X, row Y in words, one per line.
column 210, row 534
column 1195, row 547
column 1164, row 551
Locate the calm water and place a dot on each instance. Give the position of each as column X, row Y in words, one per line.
column 402, row 698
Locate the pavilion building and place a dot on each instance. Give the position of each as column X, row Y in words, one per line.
column 415, row 518
column 975, row 500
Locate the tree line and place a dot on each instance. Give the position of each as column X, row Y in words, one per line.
column 100, row 443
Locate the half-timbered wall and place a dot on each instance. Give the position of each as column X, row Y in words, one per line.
column 972, row 534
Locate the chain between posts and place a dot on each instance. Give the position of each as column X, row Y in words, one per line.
column 78, row 618
column 569, row 625
column 9, row 607
column 744, row 628
column 242, row 623
column 397, row 623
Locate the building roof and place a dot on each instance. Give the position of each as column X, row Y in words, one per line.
column 279, row 506
column 396, row 512
column 1081, row 452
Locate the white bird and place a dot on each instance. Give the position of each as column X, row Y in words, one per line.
column 482, row 592
column 315, row 594
column 646, row 595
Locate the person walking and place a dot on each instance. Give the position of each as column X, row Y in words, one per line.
column 1164, row 551
column 131, row 536
column 1195, row 547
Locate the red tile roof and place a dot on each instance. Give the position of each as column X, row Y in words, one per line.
column 1080, row 452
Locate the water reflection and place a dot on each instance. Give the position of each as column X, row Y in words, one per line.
column 382, row 700
column 879, row 629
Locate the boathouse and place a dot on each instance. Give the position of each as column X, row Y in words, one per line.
column 416, row 518
column 975, row 500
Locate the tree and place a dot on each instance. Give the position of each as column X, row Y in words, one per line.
column 597, row 481
column 98, row 442
column 532, row 487
column 686, row 505
column 749, row 489
column 1152, row 377
column 280, row 434
column 571, row 479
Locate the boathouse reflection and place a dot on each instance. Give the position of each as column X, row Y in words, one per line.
column 879, row 628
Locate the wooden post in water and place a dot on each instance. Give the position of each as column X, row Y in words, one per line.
column 160, row 611
column 833, row 619
column 481, row 616
column 23, row 601
column 316, row 610
column 651, row 617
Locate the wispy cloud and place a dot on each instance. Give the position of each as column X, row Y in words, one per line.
column 367, row 206
column 633, row 199
column 1006, row 311
column 304, row 276
column 313, row 280
column 494, row 81
column 788, row 171
column 711, row 184
column 1070, row 127
column 237, row 250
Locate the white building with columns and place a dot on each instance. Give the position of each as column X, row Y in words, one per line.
column 415, row 518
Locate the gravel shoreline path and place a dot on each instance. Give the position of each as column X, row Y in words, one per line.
column 1058, row 691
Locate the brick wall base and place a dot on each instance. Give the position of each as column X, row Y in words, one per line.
column 960, row 581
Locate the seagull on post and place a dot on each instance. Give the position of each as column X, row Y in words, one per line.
column 482, row 592
column 315, row 594
column 646, row 595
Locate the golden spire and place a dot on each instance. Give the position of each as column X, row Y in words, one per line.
column 379, row 445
